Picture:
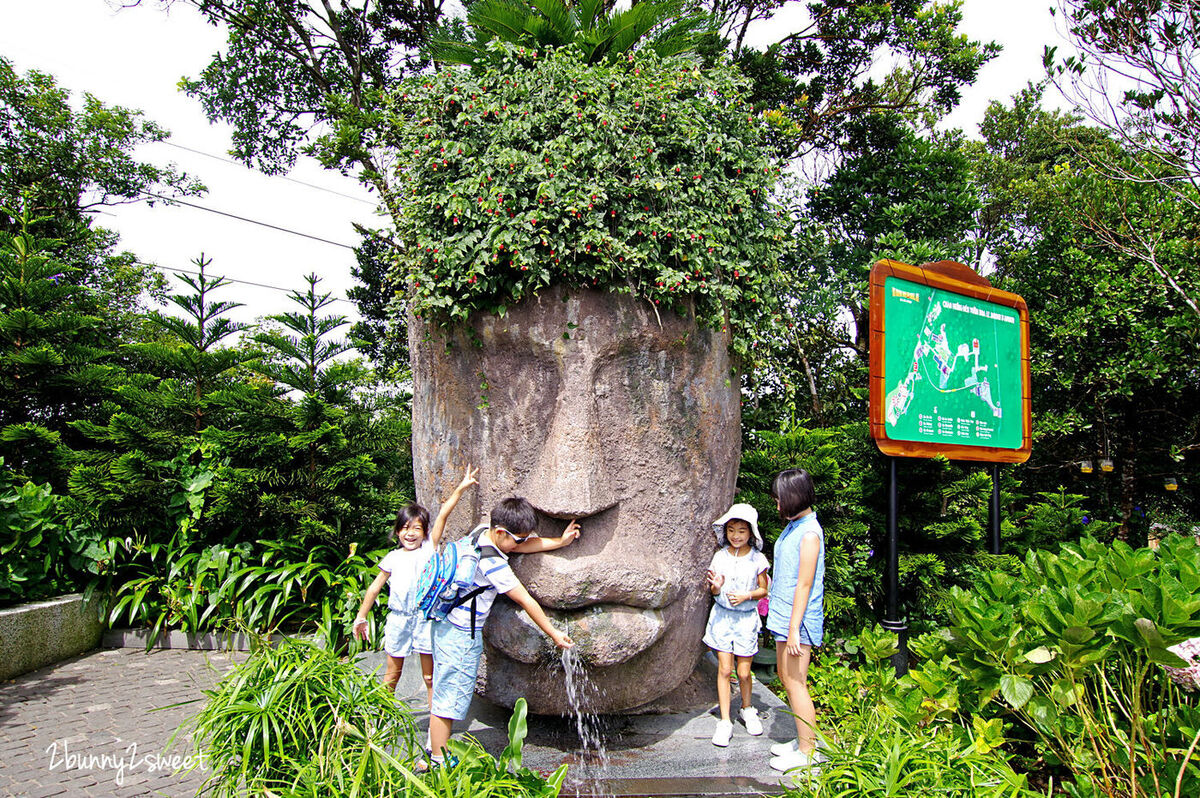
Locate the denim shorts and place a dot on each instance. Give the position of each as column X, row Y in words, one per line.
column 733, row 631
column 405, row 633
column 807, row 638
column 455, row 665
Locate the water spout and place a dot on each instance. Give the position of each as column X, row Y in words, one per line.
column 590, row 775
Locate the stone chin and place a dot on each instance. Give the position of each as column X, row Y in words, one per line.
column 593, row 407
column 604, row 634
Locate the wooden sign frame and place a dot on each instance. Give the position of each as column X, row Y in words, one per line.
column 959, row 279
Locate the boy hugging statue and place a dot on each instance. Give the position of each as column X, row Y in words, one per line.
column 457, row 641
column 453, row 639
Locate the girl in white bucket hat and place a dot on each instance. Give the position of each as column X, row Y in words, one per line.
column 737, row 578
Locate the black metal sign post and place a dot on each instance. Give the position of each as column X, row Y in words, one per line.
column 994, row 510
column 891, row 619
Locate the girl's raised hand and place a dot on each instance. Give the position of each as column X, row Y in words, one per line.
column 715, row 580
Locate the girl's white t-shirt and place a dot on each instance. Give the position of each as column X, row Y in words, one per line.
column 405, row 567
column 741, row 575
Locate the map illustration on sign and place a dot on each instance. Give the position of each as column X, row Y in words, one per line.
column 952, row 368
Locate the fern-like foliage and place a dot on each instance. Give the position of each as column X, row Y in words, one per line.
column 598, row 32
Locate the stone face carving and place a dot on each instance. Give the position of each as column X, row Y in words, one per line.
column 592, row 407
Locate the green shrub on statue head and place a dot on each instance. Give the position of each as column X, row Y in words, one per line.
column 648, row 176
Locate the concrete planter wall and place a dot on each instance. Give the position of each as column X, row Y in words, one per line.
column 201, row 641
column 39, row 634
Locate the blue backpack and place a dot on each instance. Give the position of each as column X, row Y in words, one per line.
column 448, row 579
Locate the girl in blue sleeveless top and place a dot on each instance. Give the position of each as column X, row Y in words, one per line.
column 797, row 615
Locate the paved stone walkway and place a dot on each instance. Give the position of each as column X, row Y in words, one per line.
column 99, row 724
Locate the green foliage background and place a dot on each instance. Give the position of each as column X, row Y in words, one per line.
column 212, row 477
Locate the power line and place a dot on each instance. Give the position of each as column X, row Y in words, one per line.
column 281, row 177
column 230, row 279
column 245, row 219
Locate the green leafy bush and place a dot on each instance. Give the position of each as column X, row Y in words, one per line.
column 290, row 708
column 42, row 554
column 649, row 175
column 1072, row 649
column 298, row 721
column 477, row 774
column 1054, row 518
column 873, row 747
column 261, row 588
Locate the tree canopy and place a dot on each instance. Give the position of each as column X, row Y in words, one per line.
column 1137, row 76
column 1114, row 350
column 817, row 82
column 61, row 165
column 292, row 66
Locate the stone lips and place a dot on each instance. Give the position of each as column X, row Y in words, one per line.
column 587, row 405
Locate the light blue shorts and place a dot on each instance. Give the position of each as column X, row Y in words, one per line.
column 807, row 637
column 455, row 665
column 404, row 633
column 812, row 628
column 733, row 631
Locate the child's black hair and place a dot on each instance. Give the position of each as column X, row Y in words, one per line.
column 793, row 487
column 516, row 515
column 409, row 513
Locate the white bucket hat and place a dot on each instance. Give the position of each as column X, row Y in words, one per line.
column 739, row 512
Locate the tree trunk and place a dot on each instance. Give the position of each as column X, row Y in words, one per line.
column 1127, row 493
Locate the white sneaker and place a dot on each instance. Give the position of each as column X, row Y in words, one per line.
column 780, row 749
column 750, row 718
column 723, row 733
column 791, row 761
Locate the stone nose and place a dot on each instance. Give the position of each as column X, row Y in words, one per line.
column 569, row 479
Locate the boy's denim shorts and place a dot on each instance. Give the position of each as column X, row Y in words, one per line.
column 455, row 665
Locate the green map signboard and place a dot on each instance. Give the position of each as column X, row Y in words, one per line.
column 949, row 365
column 952, row 368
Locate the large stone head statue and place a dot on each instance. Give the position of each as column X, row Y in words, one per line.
column 594, row 407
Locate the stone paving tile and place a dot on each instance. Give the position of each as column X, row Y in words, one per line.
column 98, row 724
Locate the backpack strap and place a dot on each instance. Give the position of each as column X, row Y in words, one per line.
column 471, row 596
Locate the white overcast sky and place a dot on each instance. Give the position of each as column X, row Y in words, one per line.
column 136, row 57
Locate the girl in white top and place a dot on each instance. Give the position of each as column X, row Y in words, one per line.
column 737, row 578
column 406, row 629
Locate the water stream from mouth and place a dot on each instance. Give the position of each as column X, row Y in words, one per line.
column 590, row 774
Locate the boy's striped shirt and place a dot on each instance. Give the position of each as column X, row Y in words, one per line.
column 493, row 573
